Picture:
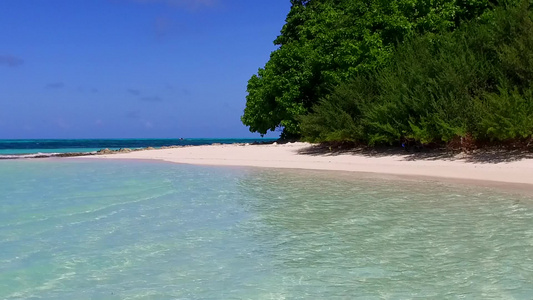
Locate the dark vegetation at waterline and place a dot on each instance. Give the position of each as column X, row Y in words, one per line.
column 422, row 74
column 469, row 86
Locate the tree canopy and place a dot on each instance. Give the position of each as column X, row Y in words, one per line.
column 475, row 83
column 327, row 42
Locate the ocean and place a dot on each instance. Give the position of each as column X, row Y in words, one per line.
column 40, row 147
column 78, row 228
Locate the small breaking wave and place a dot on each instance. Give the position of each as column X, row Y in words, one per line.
column 45, row 155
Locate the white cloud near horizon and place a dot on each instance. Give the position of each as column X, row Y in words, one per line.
column 61, row 123
column 148, row 124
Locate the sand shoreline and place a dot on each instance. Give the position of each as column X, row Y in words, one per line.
column 304, row 156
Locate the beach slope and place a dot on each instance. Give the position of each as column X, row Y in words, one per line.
column 306, row 156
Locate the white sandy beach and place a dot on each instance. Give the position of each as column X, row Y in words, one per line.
column 302, row 156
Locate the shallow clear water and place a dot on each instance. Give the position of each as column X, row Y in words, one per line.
column 88, row 229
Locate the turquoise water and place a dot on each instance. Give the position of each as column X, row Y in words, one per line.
column 16, row 148
column 88, row 229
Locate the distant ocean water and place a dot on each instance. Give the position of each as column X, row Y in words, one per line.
column 32, row 147
column 105, row 229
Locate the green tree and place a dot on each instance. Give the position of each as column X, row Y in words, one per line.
column 475, row 82
column 327, row 42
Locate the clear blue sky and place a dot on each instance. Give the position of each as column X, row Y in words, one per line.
column 131, row 68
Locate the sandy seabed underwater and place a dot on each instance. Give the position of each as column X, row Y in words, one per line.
column 82, row 229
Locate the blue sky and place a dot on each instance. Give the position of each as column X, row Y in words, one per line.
column 131, row 68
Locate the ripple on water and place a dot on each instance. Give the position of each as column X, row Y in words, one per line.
column 117, row 230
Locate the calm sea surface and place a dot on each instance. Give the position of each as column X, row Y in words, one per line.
column 24, row 148
column 93, row 229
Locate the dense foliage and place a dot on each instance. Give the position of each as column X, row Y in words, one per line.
column 326, row 42
column 475, row 83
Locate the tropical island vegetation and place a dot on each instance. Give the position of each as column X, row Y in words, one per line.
column 430, row 72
